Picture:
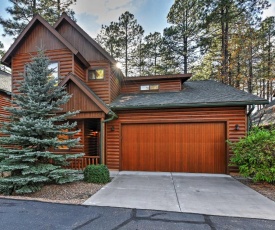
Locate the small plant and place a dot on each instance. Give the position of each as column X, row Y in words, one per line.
column 98, row 174
column 255, row 155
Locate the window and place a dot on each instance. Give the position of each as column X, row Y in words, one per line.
column 53, row 66
column 154, row 87
column 96, row 74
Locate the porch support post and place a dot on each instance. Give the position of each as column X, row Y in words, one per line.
column 102, row 141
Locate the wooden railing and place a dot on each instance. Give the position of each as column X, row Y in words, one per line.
column 82, row 162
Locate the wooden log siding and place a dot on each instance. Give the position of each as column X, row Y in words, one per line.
column 89, row 52
column 164, row 85
column 79, row 69
column 232, row 116
column 63, row 56
column 79, row 100
column 40, row 37
column 3, row 102
column 115, row 85
column 101, row 87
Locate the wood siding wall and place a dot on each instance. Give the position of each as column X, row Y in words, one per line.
column 89, row 52
column 40, row 37
column 164, row 85
column 63, row 56
column 3, row 102
column 101, row 87
column 115, row 86
column 79, row 69
column 232, row 116
column 79, row 100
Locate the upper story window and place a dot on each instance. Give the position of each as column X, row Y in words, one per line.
column 154, row 87
column 53, row 66
column 96, row 74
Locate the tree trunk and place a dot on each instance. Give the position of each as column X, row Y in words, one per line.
column 126, row 50
column 250, row 71
column 185, row 43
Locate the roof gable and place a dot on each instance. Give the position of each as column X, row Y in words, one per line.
column 95, row 102
column 6, row 59
column 66, row 18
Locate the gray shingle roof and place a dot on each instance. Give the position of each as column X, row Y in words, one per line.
column 5, row 81
column 194, row 94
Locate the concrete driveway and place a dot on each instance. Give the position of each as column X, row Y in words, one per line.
column 182, row 192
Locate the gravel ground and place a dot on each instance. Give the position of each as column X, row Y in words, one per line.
column 70, row 193
column 264, row 188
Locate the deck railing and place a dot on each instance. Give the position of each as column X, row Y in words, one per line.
column 82, row 162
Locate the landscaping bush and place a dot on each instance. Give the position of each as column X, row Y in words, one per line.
column 255, row 155
column 98, row 174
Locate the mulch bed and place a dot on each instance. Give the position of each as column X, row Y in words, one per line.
column 264, row 188
column 70, row 193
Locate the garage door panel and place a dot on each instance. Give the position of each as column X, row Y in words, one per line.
column 182, row 147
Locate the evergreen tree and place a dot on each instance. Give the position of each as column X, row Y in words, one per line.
column 111, row 39
column 267, row 56
column 225, row 13
column 32, row 132
column 22, row 11
column 2, row 52
column 182, row 36
column 152, row 47
column 121, row 40
column 131, row 32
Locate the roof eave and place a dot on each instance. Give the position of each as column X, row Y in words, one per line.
column 100, row 104
column 193, row 105
column 6, row 59
column 84, row 34
column 5, row 91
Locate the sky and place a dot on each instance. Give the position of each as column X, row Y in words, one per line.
column 91, row 14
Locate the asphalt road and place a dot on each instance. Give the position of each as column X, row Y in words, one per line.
column 32, row 215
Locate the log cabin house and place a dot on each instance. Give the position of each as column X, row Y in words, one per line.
column 5, row 89
column 152, row 123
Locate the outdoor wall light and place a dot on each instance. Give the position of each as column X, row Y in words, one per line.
column 112, row 128
column 237, row 127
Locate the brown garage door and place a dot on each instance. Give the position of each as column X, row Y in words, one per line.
column 181, row 147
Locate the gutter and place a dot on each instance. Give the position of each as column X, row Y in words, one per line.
column 102, row 136
column 243, row 103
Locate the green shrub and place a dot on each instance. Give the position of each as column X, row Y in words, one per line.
column 98, row 174
column 255, row 155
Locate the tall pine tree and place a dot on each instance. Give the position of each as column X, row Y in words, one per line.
column 182, row 36
column 22, row 11
column 121, row 39
column 224, row 14
column 33, row 131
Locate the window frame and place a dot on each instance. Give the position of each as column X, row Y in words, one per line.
column 95, row 69
column 149, row 90
column 58, row 69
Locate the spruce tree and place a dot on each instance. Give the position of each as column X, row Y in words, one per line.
column 36, row 121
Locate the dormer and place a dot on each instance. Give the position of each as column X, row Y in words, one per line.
column 154, row 84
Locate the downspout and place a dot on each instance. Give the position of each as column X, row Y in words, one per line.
column 248, row 115
column 102, row 136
